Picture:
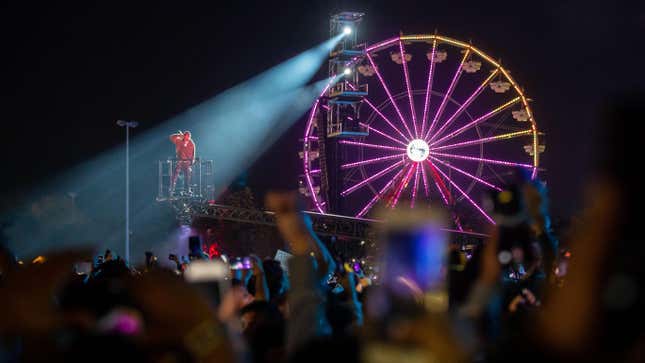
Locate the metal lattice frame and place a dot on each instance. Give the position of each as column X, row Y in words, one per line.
column 322, row 224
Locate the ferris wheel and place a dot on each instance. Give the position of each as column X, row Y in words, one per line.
column 443, row 123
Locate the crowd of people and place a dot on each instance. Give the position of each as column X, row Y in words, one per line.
column 523, row 295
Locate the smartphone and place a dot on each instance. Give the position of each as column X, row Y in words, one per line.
column 418, row 255
column 83, row 268
column 415, row 256
column 209, row 277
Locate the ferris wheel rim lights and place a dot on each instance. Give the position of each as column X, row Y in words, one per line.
column 436, row 141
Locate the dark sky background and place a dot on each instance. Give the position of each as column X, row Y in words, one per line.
column 71, row 71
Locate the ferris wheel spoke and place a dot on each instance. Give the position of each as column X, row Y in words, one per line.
column 385, row 119
column 484, row 140
column 372, row 146
column 372, row 128
column 477, row 121
column 425, row 181
column 464, row 105
column 496, row 174
column 372, row 161
column 371, row 178
column 477, row 179
column 482, row 160
column 429, row 87
column 415, row 187
column 446, row 97
column 404, row 184
column 409, row 88
column 378, row 195
column 441, row 186
column 497, row 125
column 442, row 193
column 389, row 94
column 466, row 196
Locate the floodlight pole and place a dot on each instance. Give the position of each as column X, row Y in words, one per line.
column 128, row 125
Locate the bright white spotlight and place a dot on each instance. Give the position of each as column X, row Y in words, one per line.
column 347, row 30
column 347, row 71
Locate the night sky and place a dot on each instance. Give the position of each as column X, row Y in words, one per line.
column 72, row 71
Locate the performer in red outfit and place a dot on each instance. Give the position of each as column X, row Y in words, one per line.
column 185, row 151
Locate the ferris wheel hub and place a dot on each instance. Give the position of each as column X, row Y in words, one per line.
column 418, row 150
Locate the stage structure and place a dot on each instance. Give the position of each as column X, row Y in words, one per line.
column 342, row 106
column 350, row 228
column 443, row 123
column 186, row 200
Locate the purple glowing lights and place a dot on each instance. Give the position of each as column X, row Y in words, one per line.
column 448, row 93
column 483, row 160
column 371, row 178
column 372, row 161
column 475, row 122
column 466, row 196
column 373, row 146
column 377, row 168
column 378, row 112
column 463, row 106
column 389, row 94
column 428, row 87
column 467, row 174
column 416, row 185
column 404, row 184
column 379, row 195
column 371, row 128
column 409, row 88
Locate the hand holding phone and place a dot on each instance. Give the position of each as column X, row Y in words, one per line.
column 208, row 276
column 256, row 265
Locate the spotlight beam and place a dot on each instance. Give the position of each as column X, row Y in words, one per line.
column 232, row 128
